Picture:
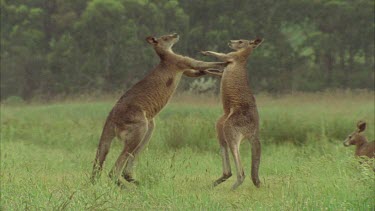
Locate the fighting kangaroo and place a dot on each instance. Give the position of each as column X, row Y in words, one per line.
column 240, row 119
column 363, row 147
column 132, row 117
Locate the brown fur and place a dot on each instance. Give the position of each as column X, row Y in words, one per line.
column 363, row 147
column 132, row 117
column 240, row 119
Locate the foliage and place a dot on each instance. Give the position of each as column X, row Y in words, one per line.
column 14, row 100
column 56, row 47
column 203, row 85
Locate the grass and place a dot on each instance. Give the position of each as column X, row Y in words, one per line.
column 47, row 153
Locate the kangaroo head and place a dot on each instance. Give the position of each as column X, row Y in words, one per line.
column 244, row 44
column 164, row 42
column 356, row 137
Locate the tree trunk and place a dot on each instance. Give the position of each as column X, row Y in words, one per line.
column 329, row 63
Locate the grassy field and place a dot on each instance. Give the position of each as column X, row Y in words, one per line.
column 47, row 153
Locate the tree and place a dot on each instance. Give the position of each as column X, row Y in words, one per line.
column 63, row 47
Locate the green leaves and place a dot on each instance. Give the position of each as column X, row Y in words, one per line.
column 59, row 47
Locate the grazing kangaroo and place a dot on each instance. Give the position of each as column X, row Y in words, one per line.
column 363, row 147
column 132, row 117
column 240, row 119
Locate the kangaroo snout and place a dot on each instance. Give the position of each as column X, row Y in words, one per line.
column 346, row 143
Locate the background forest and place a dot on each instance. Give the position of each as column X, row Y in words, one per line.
column 68, row 47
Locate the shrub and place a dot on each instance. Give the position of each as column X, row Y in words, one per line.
column 14, row 100
column 203, row 85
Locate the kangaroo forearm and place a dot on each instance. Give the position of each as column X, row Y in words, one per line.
column 194, row 73
column 220, row 56
column 198, row 65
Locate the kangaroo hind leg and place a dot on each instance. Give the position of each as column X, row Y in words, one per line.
column 224, row 152
column 127, row 173
column 234, row 138
column 131, row 135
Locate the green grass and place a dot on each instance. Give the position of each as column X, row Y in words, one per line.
column 47, row 153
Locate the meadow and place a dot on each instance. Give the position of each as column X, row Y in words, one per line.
column 47, row 152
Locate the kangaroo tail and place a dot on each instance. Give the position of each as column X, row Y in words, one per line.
column 255, row 160
column 105, row 141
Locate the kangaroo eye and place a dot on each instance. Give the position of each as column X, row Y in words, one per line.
column 240, row 42
column 350, row 136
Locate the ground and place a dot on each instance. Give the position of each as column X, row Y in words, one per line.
column 47, row 153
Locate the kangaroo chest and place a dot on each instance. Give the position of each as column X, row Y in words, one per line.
column 234, row 87
column 158, row 95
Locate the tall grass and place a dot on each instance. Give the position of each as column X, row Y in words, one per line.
column 47, row 153
column 297, row 118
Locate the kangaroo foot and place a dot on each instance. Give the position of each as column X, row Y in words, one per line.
column 222, row 179
column 238, row 183
column 130, row 179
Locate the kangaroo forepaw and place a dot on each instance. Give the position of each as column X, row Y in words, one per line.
column 211, row 70
column 206, row 53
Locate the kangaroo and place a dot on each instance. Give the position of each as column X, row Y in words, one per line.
column 132, row 117
column 363, row 147
column 240, row 119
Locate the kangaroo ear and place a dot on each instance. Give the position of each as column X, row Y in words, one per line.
column 151, row 40
column 258, row 41
column 255, row 43
column 361, row 125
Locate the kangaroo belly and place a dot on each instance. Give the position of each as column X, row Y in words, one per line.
column 234, row 88
column 238, row 100
column 150, row 95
